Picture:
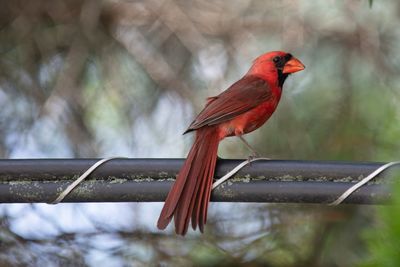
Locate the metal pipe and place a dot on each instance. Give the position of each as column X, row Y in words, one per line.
column 148, row 180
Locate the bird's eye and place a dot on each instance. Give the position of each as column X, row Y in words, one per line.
column 276, row 59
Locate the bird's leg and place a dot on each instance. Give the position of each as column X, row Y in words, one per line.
column 254, row 154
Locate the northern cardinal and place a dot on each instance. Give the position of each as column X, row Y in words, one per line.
column 242, row 108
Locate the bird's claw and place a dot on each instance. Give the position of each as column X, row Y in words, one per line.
column 252, row 156
column 255, row 156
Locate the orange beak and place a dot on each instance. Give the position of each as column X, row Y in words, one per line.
column 293, row 65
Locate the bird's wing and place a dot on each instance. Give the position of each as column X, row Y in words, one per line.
column 242, row 96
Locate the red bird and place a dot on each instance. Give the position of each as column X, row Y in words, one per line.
column 242, row 108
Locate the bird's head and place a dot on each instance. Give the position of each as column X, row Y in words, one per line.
column 275, row 66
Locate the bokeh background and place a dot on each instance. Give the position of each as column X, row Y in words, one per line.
column 87, row 78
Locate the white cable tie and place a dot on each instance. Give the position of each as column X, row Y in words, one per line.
column 71, row 187
column 371, row 176
column 234, row 171
column 339, row 200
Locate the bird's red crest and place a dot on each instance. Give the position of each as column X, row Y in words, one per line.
column 272, row 64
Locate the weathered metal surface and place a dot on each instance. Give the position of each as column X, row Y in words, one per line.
column 148, row 180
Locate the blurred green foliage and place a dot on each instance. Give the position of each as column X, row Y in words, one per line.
column 384, row 239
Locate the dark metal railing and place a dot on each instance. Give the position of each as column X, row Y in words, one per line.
column 148, row 180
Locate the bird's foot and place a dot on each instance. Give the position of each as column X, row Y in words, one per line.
column 251, row 157
column 255, row 155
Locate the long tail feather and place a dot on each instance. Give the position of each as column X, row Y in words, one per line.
column 190, row 194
